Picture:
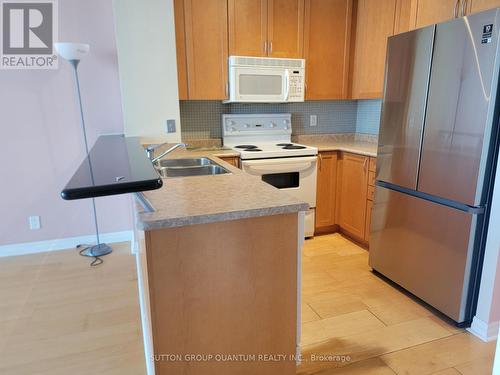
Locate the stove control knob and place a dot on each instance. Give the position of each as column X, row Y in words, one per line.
column 273, row 124
column 247, row 125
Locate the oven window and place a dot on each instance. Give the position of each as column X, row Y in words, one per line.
column 255, row 84
column 282, row 180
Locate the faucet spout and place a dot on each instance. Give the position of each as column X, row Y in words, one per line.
column 150, row 151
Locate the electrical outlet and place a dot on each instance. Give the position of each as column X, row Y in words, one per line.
column 34, row 222
column 171, row 126
column 313, row 120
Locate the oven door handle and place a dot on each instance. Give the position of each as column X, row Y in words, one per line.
column 283, row 166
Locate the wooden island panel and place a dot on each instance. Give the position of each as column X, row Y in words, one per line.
column 225, row 288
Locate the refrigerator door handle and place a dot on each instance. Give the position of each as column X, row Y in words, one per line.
column 474, row 210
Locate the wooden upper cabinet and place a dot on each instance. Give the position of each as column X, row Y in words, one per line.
column 327, row 30
column 475, row 6
column 428, row 12
column 413, row 14
column 285, row 28
column 353, row 194
column 247, row 27
column 403, row 21
column 374, row 21
column 180, row 42
column 326, row 190
column 206, row 48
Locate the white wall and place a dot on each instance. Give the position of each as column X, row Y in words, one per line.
column 486, row 321
column 145, row 35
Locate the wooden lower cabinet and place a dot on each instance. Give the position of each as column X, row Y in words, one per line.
column 250, row 265
column 353, row 192
column 326, row 192
column 368, row 220
column 233, row 160
column 344, row 194
column 369, row 198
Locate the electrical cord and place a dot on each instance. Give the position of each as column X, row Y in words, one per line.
column 97, row 260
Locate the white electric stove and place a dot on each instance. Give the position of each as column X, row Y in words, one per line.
column 266, row 151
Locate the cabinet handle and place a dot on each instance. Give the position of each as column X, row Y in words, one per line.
column 455, row 9
column 365, row 163
column 320, row 159
column 265, row 48
column 227, row 89
column 270, row 48
column 464, row 7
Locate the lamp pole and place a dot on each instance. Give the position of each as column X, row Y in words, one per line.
column 73, row 52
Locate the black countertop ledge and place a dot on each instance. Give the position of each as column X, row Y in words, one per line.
column 116, row 165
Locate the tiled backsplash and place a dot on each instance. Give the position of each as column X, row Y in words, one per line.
column 202, row 119
column 368, row 116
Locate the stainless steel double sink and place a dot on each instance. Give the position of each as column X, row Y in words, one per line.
column 188, row 167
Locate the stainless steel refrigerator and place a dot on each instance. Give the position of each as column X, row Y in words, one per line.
column 436, row 152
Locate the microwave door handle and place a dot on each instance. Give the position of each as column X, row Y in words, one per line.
column 287, row 84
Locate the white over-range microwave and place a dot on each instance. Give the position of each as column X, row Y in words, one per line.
column 266, row 80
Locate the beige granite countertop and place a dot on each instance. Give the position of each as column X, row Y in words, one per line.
column 357, row 144
column 203, row 199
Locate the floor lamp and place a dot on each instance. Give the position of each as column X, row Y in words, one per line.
column 73, row 53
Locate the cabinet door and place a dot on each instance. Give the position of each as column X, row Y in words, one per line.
column 403, row 19
column 353, row 194
column 285, row 28
column 326, row 44
column 480, row 5
column 206, row 48
column 432, row 11
column 368, row 222
column 180, row 43
column 326, row 189
column 247, row 27
column 374, row 24
column 233, row 160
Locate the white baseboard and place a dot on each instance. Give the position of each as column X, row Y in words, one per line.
column 485, row 331
column 62, row 243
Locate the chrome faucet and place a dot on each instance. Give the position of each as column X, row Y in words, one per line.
column 151, row 149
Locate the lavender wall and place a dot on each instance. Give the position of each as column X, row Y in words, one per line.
column 41, row 141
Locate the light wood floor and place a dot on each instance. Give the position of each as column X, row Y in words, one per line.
column 349, row 311
column 59, row 316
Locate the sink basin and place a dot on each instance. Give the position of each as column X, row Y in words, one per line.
column 204, row 170
column 183, row 163
column 189, row 167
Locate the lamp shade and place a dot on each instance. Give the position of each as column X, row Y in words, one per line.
column 71, row 51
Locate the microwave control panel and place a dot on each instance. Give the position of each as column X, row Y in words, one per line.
column 296, row 88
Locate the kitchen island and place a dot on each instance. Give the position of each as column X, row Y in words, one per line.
column 218, row 268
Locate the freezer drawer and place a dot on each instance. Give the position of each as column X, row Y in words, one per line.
column 407, row 78
column 424, row 247
column 460, row 109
